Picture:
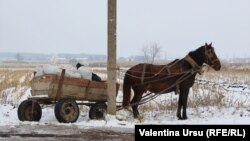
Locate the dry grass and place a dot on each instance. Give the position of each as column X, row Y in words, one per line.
column 14, row 80
column 200, row 95
column 229, row 75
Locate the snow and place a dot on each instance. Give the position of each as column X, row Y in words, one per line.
column 234, row 108
column 25, row 96
column 207, row 115
column 124, row 119
column 13, row 95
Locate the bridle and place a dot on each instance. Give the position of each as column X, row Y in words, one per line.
column 209, row 57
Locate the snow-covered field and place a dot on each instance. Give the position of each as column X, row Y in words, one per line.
column 199, row 115
column 214, row 100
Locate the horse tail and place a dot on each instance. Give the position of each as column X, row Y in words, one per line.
column 126, row 90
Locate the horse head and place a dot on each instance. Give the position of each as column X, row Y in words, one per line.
column 211, row 58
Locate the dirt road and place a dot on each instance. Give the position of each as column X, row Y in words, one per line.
column 64, row 133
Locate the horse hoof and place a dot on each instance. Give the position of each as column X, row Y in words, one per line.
column 182, row 118
column 179, row 117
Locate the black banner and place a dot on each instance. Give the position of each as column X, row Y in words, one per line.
column 200, row 132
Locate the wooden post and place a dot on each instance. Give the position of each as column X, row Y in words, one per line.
column 111, row 57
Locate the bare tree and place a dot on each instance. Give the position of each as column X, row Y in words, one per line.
column 151, row 52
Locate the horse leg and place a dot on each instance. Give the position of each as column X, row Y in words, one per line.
column 182, row 104
column 185, row 99
column 137, row 97
column 178, row 114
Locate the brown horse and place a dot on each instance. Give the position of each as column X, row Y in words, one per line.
column 178, row 76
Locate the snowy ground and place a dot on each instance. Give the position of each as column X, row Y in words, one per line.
column 124, row 119
column 233, row 107
column 207, row 115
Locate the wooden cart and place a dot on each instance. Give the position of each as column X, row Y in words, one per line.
column 66, row 93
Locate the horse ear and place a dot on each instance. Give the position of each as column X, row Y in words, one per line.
column 206, row 44
column 210, row 44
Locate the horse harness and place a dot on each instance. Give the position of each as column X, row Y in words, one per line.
column 210, row 57
column 195, row 68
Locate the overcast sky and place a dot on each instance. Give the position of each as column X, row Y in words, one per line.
column 80, row 26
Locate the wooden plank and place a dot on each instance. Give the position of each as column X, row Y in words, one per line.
column 75, row 81
column 79, row 89
column 39, row 92
column 60, row 84
column 41, row 86
column 83, row 83
column 80, row 93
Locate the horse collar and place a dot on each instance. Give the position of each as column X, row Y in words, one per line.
column 195, row 66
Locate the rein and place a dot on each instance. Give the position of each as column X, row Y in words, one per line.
column 150, row 97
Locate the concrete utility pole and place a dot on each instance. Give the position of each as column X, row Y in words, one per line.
column 111, row 57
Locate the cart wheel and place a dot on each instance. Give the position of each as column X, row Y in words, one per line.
column 98, row 111
column 26, row 113
column 66, row 111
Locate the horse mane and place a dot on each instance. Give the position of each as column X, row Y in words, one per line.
column 198, row 55
column 195, row 54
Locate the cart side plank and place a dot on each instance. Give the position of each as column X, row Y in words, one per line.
column 79, row 89
column 79, row 93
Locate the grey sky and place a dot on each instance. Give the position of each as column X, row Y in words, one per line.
column 79, row 26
